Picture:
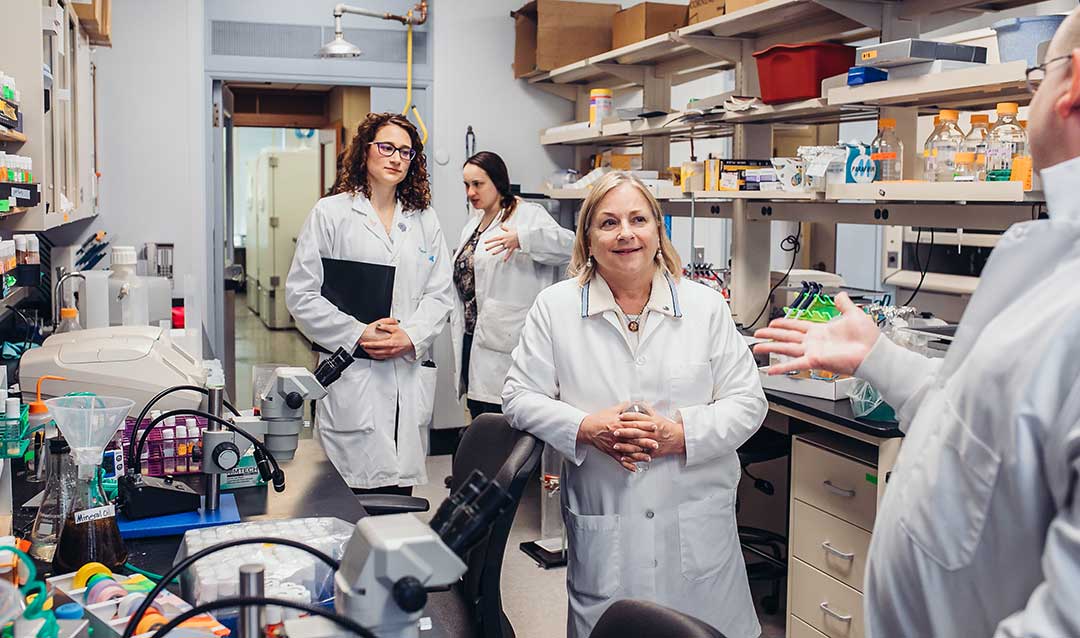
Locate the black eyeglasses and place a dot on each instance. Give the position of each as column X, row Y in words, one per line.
column 386, row 149
column 1036, row 74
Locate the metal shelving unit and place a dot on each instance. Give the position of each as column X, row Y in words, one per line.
column 728, row 42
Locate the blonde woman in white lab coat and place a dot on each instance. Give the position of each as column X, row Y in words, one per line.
column 628, row 328
column 373, row 424
column 509, row 251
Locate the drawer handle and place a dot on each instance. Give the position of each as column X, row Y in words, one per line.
column 832, row 550
column 840, row 617
column 839, row 491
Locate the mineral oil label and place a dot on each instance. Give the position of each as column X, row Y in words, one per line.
column 95, row 514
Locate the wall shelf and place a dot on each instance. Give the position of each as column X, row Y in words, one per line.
column 976, row 88
column 759, row 195
column 13, row 136
column 664, row 192
column 932, row 192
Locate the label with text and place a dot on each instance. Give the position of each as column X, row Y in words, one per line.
column 95, row 514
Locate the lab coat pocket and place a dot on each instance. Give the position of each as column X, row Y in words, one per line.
column 343, row 411
column 593, row 568
column 425, row 380
column 707, row 535
column 499, row 324
column 691, row 384
column 954, row 482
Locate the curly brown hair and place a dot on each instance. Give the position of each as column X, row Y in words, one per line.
column 414, row 192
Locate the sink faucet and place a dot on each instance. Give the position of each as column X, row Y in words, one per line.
column 64, row 276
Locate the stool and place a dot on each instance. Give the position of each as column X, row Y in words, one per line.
column 769, row 548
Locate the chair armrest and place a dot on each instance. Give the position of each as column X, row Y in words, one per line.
column 380, row 504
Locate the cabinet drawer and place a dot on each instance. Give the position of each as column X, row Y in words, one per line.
column 834, row 483
column 834, row 546
column 799, row 629
column 825, row 603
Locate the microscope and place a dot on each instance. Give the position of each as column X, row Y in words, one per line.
column 226, row 441
column 392, row 562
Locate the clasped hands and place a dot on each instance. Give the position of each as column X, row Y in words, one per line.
column 632, row 437
column 385, row 339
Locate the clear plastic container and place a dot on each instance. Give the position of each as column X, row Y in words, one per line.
column 1006, row 139
column 946, row 144
column 887, row 151
column 975, row 142
column 69, row 321
column 929, row 159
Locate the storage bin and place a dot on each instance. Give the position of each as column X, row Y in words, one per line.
column 1019, row 38
column 790, row 72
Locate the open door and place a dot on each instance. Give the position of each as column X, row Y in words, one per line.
column 223, row 279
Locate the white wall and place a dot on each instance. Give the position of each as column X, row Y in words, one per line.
column 150, row 108
column 474, row 85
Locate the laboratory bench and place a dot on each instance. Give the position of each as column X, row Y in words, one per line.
column 837, row 472
column 313, row 487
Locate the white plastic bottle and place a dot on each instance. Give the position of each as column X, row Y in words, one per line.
column 128, row 295
column 887, row 151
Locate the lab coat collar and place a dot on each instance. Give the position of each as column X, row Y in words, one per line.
column 363, row 206
column 1059, row 186
column 596, row 296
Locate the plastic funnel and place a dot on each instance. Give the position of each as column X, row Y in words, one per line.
column 88, row 422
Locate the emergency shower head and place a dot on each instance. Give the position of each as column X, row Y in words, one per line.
column 339, row 47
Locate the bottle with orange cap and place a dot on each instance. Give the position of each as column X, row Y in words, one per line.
column 1005, row 142
column 40, row 422
column 887, row 151
column 69, row 320
column 975, row 143
column 929, row 159
column 946, row 145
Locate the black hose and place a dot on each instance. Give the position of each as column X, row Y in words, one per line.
column 929, row 256
column 793, row 241
column 158, row 397
column 226, row 603
column 187, row 562
column 137, row 466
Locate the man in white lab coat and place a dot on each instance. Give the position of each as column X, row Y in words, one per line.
column 979, row 530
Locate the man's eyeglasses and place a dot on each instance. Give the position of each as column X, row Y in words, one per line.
column 386, row 149
column 1036, row 74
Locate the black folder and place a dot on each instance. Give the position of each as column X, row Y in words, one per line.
column 361, row 290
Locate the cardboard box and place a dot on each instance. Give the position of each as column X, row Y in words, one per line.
column 738, row 5
column 554, row 33
column 701, row 10
column 644, row 21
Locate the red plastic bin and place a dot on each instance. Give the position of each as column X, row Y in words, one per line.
column 790, row 72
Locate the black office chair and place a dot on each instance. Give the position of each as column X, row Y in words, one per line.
column 633, row 618
column 473, row 607
column 767, row 549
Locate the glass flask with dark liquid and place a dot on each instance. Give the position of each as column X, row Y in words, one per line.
column 90, row 531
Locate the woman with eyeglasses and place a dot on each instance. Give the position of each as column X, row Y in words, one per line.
column 373, row 423
column 509, row 251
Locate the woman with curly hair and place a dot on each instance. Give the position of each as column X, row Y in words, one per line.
column 373, row 423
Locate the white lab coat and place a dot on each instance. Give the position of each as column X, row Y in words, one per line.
column 667, row 534
column 356, row 421
column 505, row 290
column 979, row 530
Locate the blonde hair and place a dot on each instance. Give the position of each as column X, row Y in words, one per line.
column 580, row 265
